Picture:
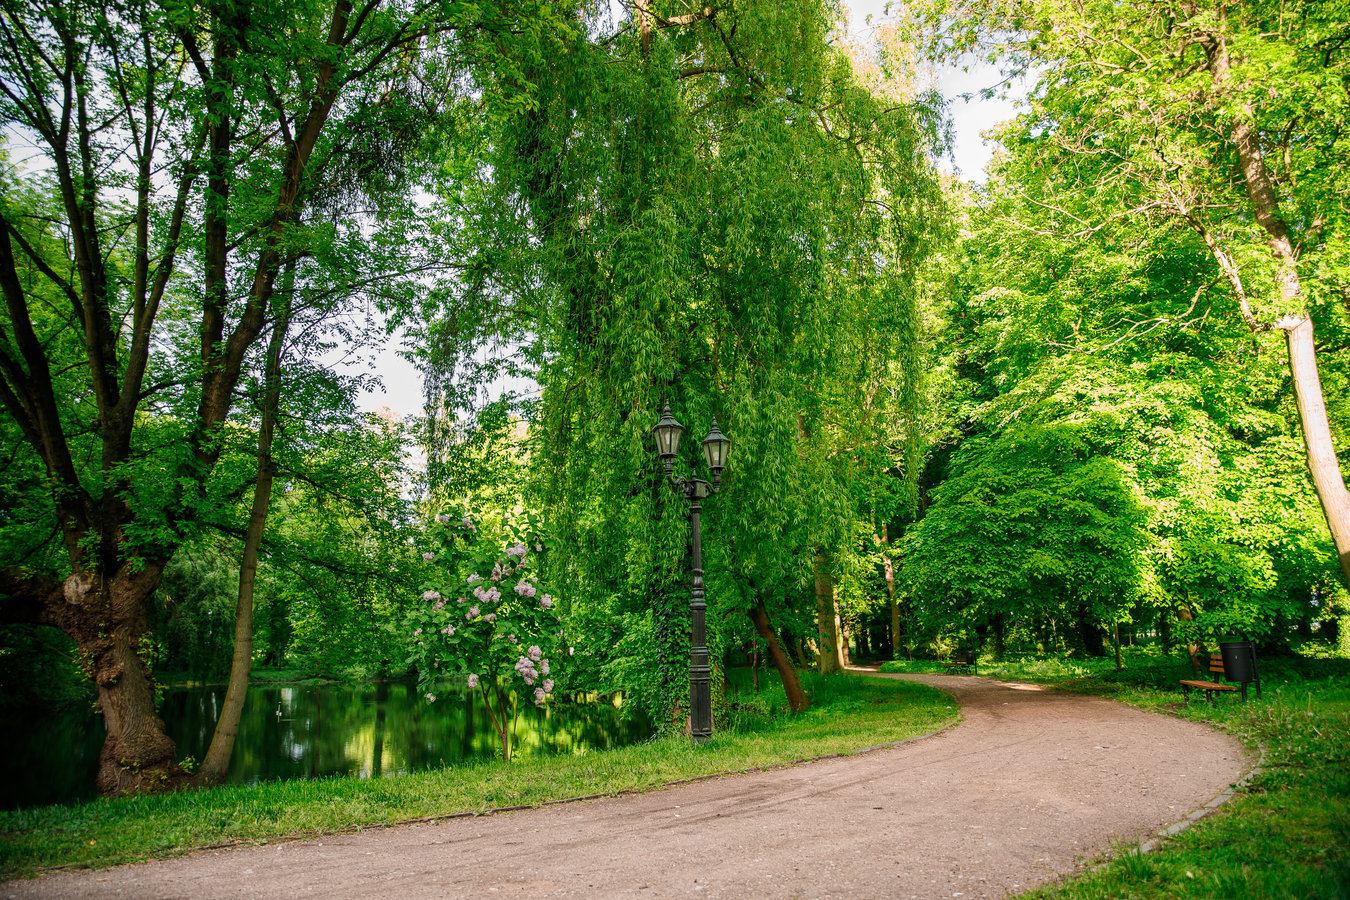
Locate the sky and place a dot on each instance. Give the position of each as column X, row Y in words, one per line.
column 402, row 382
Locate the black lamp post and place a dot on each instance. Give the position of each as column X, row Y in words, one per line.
column 716, row 446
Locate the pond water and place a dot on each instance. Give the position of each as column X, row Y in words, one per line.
column 310, row 731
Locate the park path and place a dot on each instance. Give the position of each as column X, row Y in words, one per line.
column 1026, row 787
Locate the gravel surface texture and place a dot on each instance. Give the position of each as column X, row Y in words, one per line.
column 1026, row 788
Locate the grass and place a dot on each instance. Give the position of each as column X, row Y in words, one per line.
column 847, row 714
column 1285, row 835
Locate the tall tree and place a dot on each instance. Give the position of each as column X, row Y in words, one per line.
column 708, row 207
column 1225, row 116
column 179, row 145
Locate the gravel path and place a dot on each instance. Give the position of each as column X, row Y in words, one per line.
column 1030, row 784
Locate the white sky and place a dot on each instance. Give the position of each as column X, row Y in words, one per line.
column 402, row 382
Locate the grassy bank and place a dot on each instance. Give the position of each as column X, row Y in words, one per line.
column 1285, row 835
column 847, row 713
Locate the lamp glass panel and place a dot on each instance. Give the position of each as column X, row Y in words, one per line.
column 668, row 436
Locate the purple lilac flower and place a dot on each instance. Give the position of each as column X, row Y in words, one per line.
column 538, row 547
column 543, row 667
column 417, row 632
column 546, row 601
column 440, row 604
column 517, row 550
column 535, row 653
column 497, row 572
column 473, row 681
column 472, row 613
column 480, row 593
column 525, row 589
column 431, row 596
column 548, row 684
column 539, row 696
column 431, row 698
column 448, row 631
column 513, row 639
column 443, row 518
column 472, row 578
column 467, row 524
column 490, row 617
column 428, row 556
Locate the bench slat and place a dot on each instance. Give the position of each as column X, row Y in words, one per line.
column 1209, row 685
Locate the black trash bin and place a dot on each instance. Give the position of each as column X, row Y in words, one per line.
column 1239, row 662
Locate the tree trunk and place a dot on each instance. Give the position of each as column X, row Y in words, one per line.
column 1322, row 461
column 108, row 623
column 895, row 608
column 1193, row 650
column 217, row 761
column 827, row 621
column 792, row 685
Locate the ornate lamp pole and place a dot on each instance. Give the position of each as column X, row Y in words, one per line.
column 716, row 446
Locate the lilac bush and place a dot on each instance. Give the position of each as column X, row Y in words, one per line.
column 497, row 608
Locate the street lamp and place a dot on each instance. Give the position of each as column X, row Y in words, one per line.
column 716, row 446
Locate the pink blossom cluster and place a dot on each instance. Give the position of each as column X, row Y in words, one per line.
column 546, row 601
column 448, row 631
column 497, row 572
column 473, row 682
column 472, row 613
column 490, row 595
column 428, row 556
column 431, row 596
column 517, row 550
column 443, row 518
column 525, row 589
column 525, row 666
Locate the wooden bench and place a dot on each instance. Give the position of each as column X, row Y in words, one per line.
column 962, row 660
column 1212, row 687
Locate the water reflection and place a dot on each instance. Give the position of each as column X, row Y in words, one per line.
column 311, row 731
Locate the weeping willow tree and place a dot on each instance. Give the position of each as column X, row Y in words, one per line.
column 719, row 208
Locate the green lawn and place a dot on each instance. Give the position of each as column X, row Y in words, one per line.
column 848, row 713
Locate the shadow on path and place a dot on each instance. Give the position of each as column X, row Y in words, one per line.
column 1029, row 784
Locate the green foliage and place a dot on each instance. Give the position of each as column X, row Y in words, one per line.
column 724, row 215
column 1035, row 523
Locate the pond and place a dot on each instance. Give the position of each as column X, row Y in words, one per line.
column 310, row 731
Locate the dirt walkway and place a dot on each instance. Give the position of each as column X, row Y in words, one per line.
column 1025, row 787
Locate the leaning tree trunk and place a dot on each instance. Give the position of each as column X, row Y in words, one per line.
column 1323, row 464
column 792, row 685
column 217, row 761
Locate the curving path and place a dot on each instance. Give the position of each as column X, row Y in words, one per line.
column 1027, row 786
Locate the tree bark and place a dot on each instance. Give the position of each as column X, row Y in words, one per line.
column 827, row 621
column 217, row 761
column 792, row 685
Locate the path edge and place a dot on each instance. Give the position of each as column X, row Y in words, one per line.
column 498, row 810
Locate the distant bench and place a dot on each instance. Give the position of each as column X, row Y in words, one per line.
column 962, row 661
column 1212, row 687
